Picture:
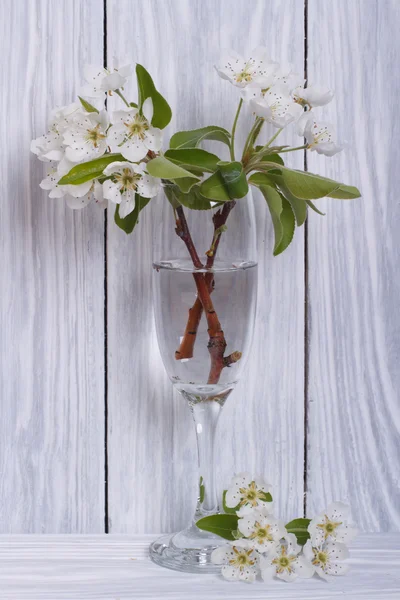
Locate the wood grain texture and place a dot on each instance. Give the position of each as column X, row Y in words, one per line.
column 117, row 567
column 152, row 468
column 51, row 280
column 354, row 267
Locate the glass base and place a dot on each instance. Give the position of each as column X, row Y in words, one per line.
column 189, row 550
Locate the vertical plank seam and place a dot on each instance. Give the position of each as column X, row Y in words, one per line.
column 106, row 527
column 306, row 297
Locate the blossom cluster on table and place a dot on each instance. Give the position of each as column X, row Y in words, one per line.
column 264, row 546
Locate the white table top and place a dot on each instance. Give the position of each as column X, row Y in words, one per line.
column 115, row 567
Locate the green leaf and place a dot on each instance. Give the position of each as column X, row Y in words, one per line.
column 307, row 185
column 172, row 192
column 185, row 184
column 214, row 188
column 227, row 509
column 275, row 158
column 314, row 208
column 345, row 192
column 129, row 223
column 192, row 138
column 299, row 528
column 288, row 226
column 192, row 199
column 195, row 200
column 298, row 205
column 194, row 157
column 165, row 169
column 282, row 218
column 89, row 170
column 274, row 202
column 146, row 89
column 259, row 179
column 234, row 178
column 202, row 491
column 222, row 525
column 267, row 497
column 87, row 106
column 228, row 183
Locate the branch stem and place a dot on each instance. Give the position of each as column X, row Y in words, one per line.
column 217, row 343
column 120, row 94
column 232, row 147
column 186, row 347
column 294, row 149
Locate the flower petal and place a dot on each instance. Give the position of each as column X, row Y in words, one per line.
column 133, row 149
column 308, row 551
column 288, row 576
column 117, row 166
column 78, row 202
column 116, row 135
column 337, row 551
column 247, row 574
column 80, row 190
column 153, row 139
column 148, row 186
column 230, row 573
column 268, row 573
column 346, row 534
column 111, row 192
column 338, row 511
column 337, row 568
column 303, row 567
column 148, row 109
column 246, row 525
column 127, row 204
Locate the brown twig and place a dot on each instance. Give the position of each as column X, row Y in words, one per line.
column 217, row 343
column 195, row 312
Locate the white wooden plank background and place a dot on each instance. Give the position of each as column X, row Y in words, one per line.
column 52, row 393
column 151, row 443
column 354, row 267
column 51, row 280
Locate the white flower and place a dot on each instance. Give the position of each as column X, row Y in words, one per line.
column 50, row 146
column 326, row 558
column 258, row 69
column 277, row 106
column 81, row 195
column 319, row 136
column 86, row 137
column 285, row 561
column 76, row 196
column 246, row 492
column 101, row 80
column 127, row 181
column 261, row 528
column 285, row 75
column 313, row 95
column 50, row 182
column 331, row 524
column 132, row 133
column 240, row 561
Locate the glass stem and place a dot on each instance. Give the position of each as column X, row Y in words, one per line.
column 205, row 415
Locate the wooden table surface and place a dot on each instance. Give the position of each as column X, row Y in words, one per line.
column 114, row 567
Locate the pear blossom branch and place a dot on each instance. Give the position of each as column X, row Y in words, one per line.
column 217, row 343
column 195, row 312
